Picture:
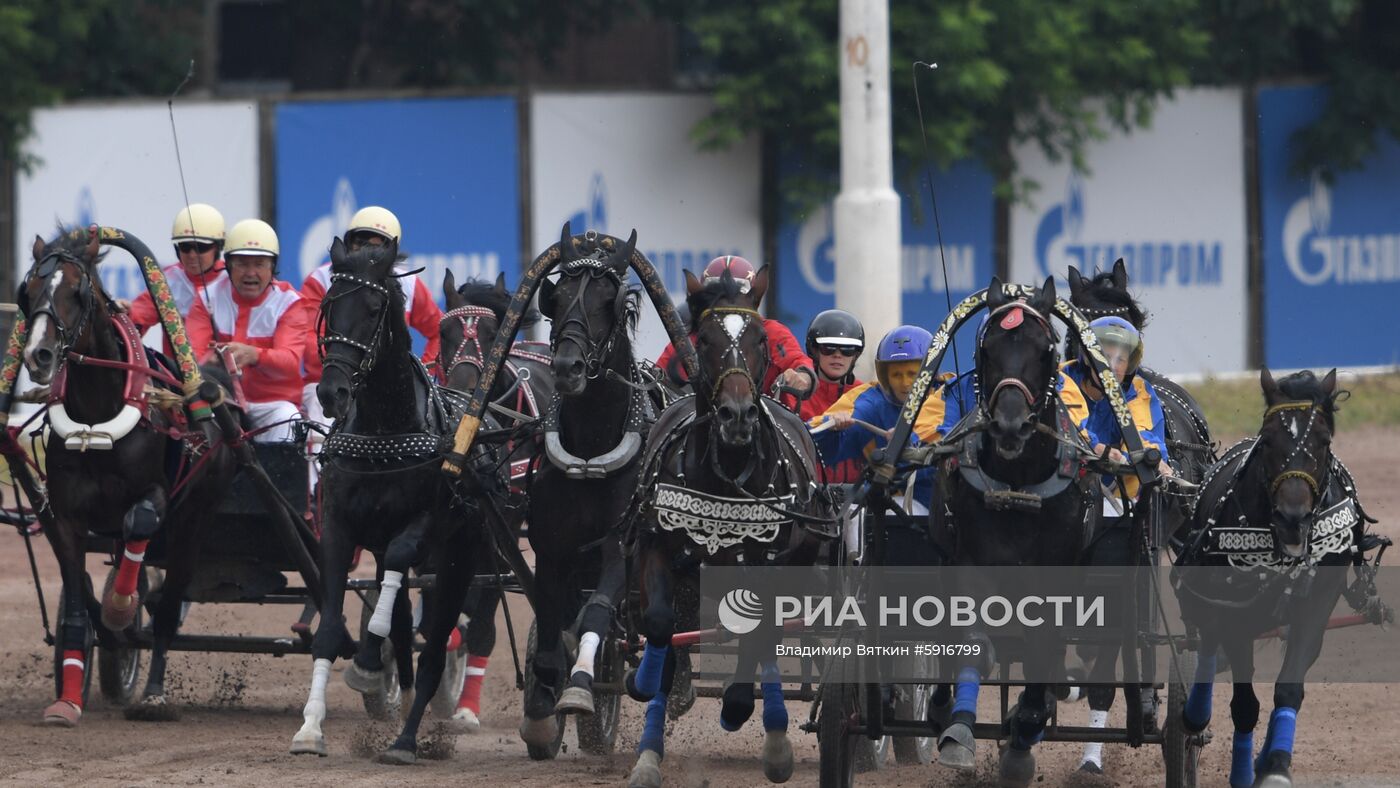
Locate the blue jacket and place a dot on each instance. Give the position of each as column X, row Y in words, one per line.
column 872, row 406
column 1103, row 427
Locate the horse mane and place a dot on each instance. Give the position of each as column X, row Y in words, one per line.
column 1305, row 386
column 706, row 297
column 71, row 241
column 478, row 292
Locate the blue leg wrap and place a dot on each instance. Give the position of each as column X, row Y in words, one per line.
column 969, row 682
column 1198, row 703
column 1242, row 759
column 649, row 672
column 1282, row 726
column 654, row 732
column 775, row 716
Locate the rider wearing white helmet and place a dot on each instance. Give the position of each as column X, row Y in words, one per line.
column 258, row 323
column 198, row 237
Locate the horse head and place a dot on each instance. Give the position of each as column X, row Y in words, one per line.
column 591, row 309
column 473, row 318
column 355, row 323
column 731, row 346
column 1102, row 295
column 61, row 298
column 1295, row 452
column 1017, row 365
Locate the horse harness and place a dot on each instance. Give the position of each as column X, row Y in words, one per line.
column 471, row 353
column 575, row 326
column 640, row 416
column 1014, row 312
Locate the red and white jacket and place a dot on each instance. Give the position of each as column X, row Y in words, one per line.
column 275, row 323
column 420, row 310
column 182, row 288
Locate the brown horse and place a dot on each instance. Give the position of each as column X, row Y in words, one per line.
column 109, row 461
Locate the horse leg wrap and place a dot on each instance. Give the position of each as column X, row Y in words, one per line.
column 124, row 587
column 1093, row 751
column 654, row 731
column 471, row 688
column 965, row 698
column 1198, row 703
column 315, row 710
column 649, row 672
column 1242, row 759
column 73, row 668
column 587, row 649
column 1283, row 723
column 1027, row 725
column 384, row 608
column 775, row 715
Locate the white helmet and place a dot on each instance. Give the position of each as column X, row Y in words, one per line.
column 252, row 236
column 377, row 220
column 198, row 222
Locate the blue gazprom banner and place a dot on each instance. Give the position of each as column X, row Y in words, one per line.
column 1331, row 251
column 446, row 167
column 807, row 250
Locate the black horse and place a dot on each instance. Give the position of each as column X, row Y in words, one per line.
column 474, row 315
column 382, row 490
column 592, row 432
column 124, row 489
column 1018, row 443
column 725, row 449
column 1274, row 504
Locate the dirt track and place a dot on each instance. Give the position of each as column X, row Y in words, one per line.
column 238, row 713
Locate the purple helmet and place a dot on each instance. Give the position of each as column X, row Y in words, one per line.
column 906, row 343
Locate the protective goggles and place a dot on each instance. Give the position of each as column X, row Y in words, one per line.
column 187, row 247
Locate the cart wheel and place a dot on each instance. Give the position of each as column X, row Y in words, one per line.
column 119, row 668
column 549, row 751
column 381, row 705
column 836, row 744
column 58, row 647
column 597, row 732
column 1180, row 750
column 913, row 705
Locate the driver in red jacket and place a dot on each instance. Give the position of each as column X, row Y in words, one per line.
column 787, row 363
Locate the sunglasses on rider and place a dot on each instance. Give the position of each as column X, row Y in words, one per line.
column 194, row 246
column 849, row 351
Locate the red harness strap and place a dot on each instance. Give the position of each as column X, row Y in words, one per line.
column 136, row 364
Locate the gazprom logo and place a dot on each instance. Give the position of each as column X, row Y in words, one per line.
column 1315, row 257
column 921, row 265
column 1061, row 241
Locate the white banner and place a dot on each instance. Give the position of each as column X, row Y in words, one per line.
column 614, row 162
column 1170, row 200
column 115, row 165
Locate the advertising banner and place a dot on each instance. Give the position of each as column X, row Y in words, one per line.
column 613, row 162
column 1170, row 201
column 1331, row 250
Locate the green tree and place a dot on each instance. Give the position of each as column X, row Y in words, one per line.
column 1009, row 71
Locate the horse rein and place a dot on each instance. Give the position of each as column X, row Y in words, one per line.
column 369, row 353
column 1300, row 439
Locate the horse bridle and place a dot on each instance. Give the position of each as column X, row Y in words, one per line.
column 43, row 268
column 369, row 353
column 734, row 356
column 1299, row 446
column 575, row 327
column 467, row 316
column 1036, row 403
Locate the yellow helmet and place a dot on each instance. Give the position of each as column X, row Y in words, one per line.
column 377, row 220
column 198, row 222
column 252, row 236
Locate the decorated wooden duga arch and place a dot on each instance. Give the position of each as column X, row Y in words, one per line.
column 530, row 281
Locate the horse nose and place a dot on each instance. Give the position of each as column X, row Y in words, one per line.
column 335, row 399
column 42, row 356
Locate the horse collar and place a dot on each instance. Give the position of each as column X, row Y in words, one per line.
column 605, row 464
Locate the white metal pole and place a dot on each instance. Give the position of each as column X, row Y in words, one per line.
column 868, row 250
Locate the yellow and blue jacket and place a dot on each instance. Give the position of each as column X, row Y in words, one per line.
column 1145, row 408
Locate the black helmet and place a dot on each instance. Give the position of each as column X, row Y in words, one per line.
column 835, row 327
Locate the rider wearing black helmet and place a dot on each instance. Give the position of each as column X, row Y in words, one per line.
column 835, row 340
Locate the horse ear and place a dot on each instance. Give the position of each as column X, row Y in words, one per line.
column 759, row 286
column 566, row 244
column 501, row 283
column 996, row 296
column 449, row 289
column 623, row 259
column 1046, row 297
column 692, row 283
column 1076, row 283
column 1120, row 274
column 1329, row 383
column 38, row 248
column 1267, row 384
column 93, row 244
column 337, row 252
column 547, row 297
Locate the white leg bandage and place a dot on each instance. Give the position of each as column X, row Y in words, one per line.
column 587, row 648
column 384, row 610
column 1093, row 751
column 315, row 710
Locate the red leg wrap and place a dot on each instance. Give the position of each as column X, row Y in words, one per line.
column 471, row 688
column 73, row 677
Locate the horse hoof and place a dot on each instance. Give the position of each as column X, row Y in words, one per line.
column 365, row 682
column 647, row 772
column 1274, row 781
column 574, row 700
column 1017, row 768
column 397, row 757
column 540, row 733
column 1089, row 767
column 118, row 612
column 152, row 708
column 62, row 714
column 777, row 756
column 957, row 748
column 309, row 744
column 465, row 721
